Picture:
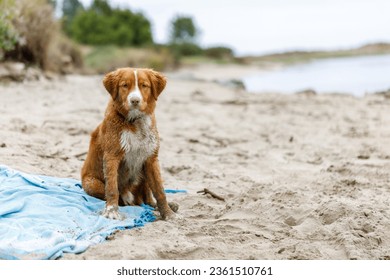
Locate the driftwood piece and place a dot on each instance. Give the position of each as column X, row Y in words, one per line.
column 207, row 191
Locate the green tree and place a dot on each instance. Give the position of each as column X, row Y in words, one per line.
column 183, row 30
column 69, row 11
column 8, row 34
column 101, row 7
column 102, row 25
column 183, row 38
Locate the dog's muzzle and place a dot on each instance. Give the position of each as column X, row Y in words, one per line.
column 135, row 100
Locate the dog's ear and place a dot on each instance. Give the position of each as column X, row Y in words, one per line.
column 110, row 82
column 158, row 83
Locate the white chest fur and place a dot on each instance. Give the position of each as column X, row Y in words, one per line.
column 138, row 146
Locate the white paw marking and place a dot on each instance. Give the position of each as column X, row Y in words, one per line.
column 176, row 217
column 111, row 212
column 171, row 216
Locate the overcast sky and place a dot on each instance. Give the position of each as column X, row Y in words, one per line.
column 263, row 26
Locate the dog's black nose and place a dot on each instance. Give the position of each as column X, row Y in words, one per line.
column 135, row 100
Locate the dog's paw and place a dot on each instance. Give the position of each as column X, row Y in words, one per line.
column 111, row 212
column 171, row 216
column 174, row 206
column 176, row 217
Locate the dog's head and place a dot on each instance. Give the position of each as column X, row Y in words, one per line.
column 134, row 91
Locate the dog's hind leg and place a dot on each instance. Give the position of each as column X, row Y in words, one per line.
column 136, row 194
column 147, row 195
column 94, row 187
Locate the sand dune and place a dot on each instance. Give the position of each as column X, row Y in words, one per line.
column 303, row 176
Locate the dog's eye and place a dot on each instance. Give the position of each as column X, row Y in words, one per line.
column 145, row 85
column 124, row 85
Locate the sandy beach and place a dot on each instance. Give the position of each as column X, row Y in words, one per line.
column 303, row 176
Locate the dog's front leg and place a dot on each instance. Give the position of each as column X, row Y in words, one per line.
column 154, row 181
column 111, row 166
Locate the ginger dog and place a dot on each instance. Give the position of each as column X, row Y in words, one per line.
column 122, row 161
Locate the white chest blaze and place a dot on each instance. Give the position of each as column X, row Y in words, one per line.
column 138, row 146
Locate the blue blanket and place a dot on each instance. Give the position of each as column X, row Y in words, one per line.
column 43, row 217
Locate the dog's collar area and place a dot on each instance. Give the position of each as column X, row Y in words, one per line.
column 134, row 116
column 134, row 119
column 129, row 119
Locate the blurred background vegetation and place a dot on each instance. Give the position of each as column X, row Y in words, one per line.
column 94, row 39
column 63, row 36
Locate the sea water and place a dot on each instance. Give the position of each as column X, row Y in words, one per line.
column 351, row 75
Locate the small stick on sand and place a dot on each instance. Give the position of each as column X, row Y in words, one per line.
column 81, row 154
column 207, row 191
